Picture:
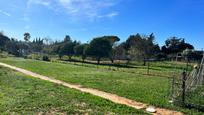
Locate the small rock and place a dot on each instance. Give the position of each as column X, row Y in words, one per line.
column 171, row 101
column 151, row 109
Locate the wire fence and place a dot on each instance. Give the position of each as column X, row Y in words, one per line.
column 188, row 87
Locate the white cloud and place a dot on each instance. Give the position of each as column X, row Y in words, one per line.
column 90, row 9
column 5, row 13
column 109, row 15
column 46, row 3
column 79, row 9
column 30, row 4
column 65, row 1
column 112, row 14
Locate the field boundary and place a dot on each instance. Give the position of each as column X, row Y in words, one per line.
column 111, row 97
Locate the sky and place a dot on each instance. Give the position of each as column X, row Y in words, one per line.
column 86, row 19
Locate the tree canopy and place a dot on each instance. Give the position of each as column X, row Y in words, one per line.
column 27, row 36
column 136, row 47
column 3, row 40
column 141, row 47
column 175, row 45
column 99, row 48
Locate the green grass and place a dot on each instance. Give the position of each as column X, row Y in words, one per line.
column 139, row 87
column 132, row 83
column 20, row 94
column 196, row 97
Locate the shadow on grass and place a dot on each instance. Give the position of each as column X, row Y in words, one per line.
column 101, row 64
column 195, row 106
column 119, row 67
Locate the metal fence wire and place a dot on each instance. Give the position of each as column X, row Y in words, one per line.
column 188, row 88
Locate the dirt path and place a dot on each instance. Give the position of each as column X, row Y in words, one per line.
column 112, row 97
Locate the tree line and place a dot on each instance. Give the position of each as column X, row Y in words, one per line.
column 136, row 47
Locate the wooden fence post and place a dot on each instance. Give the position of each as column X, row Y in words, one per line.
column 184, row 87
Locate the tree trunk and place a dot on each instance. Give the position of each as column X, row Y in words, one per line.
column 144, row 64
column 112, row 61
column 82, row 61
column 70, row 57
column 60, row 57
column 127, row 63
column 83, row 58
column 98, row 60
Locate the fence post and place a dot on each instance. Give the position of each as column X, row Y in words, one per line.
column 184, row 87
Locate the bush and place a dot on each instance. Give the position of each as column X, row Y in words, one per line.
column 34, row 56
column 25, row 57
column 3, row 54
column 45, row 58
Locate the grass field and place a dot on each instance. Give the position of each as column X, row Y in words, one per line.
column 196, row 96
column 20, row 94
column 132, row 83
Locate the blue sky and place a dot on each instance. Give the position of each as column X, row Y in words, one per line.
column 85, row 19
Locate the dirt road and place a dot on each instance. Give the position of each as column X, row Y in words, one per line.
column 112, row 97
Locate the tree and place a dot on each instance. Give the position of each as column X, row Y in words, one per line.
column 67, row 38
column 112, row 40
column 3, row 41
column 67, row 48
column 99, row 48
column 119, row 52
column 80, row 50
column 24, row 48
column 47, row 40
column 37, row 45
column 141, row 47
column 55, row 48
column 27, row 36
column 190, row 54
column 13, row 47
column 175, row 45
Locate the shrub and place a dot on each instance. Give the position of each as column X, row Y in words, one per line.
column 45, row 58
column 25, row 57
column 3, row 54
column 34, row 56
